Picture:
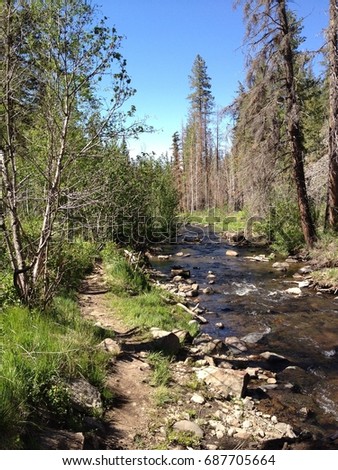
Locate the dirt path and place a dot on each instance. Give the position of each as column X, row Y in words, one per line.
column 128, row 421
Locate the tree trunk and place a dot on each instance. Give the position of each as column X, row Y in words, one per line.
column 293, row 128
column 332, row 199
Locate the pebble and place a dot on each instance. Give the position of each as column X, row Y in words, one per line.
column 197, row 399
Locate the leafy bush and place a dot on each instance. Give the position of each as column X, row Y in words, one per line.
column 283, row 227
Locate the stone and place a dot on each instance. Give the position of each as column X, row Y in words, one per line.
column 180, row 253
column 252, row 371
column 163, row 257
column 228, row 382
column 281, row 266
column 219, row 325
column 286, row 430
column 242, row 434
column 196, row 398
column 185, row 273
column 192, row 293
column 255, row 337
column 208, row 290
column 177, row 279
column 274, row 358
column 84, row 396
column 189, row 427
column 247, row 424
column 183, row 335
column 211, row 276
column 110, row 346
column 271, row 380
column 231, row 253
column 305, row 270
column 294, row 291
column 165, row 341
column 303, row 284
column 235, row 345
column 211, row 447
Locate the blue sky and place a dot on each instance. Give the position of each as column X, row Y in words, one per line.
column 162, row 40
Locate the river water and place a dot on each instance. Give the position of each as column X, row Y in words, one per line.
column 249, row 298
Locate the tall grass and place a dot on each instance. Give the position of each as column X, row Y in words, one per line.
column 39, row 353
column 136, row 301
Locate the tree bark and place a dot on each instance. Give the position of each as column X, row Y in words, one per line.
column 294, row 129
column 332, row 199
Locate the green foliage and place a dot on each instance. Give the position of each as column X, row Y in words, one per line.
column 163, row 396
column 122, row 277
column 38, row 355
column 138, row 303
column 185, row 439
column 283, row 228
column 74, row 260
column 161, row 369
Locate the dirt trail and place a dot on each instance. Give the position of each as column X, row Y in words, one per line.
column 128, row 421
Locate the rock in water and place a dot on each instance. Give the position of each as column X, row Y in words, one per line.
column 283, row 266
column 235, row 345
column 294, row 291
column 231, row 253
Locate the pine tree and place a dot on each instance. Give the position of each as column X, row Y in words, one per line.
column 201, row 108
column 272, row 33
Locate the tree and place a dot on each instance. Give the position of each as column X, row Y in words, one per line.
column 177, row 166
column 201, row 107
column 51, row 71
column 332, row 200
column 271, row 30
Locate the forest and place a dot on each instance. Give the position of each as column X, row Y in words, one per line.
column 71, row 195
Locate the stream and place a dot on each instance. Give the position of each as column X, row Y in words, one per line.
column 250, row 298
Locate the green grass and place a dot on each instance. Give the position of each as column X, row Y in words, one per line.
column 39, row 353
column 220, row 218
column 326, row 277
column 161, row 374
column 136, row 301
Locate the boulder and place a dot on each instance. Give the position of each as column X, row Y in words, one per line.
column 84, row 396
column 294, row 291
column 274, row 358
column 184, row 336
column 305, row 270
column 185, row 273
column 165, row 341
column 111, row 346
column 189, row 427
column 208, row 290
column 235, row 345
column 229, row 382
column 281, row 266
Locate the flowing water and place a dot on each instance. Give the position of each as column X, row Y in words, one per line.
column 250, row 299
